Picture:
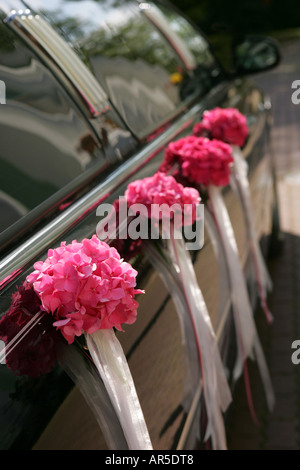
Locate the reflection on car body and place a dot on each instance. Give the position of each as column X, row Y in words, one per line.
column 68, row 147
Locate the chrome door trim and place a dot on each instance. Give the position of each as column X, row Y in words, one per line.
column 48, row 44
column 153, row 13
column 15, row 262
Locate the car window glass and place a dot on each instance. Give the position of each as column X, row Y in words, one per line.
column 138, row 69
column 135, row 63
column 43, row 136
column 195, row 42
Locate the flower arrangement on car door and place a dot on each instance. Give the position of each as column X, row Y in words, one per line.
column 230, row 126
column 207, row 164
column 82, row 288
column 171, row 207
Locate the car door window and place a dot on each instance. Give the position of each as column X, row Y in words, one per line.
column 144, row 76
column 195, row 42
column 45, row 141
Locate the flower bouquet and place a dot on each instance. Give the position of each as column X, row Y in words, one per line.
column 80, row 289
column 207, row 165
column 230, row 126
column 170, row 206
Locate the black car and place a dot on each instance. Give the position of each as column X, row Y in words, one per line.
column 94, row 93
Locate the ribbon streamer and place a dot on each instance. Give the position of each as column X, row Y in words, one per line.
column 215, row 386
column 247, row 337
column 216, row 242
column 8, row 348
column 121, row 406
column 83, row 373
column 109, row 358
column 159, row 258
column 240, row 184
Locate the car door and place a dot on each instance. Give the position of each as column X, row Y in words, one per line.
column 100, row 143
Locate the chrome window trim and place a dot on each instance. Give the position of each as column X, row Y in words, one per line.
column 152, row 12
column 15, row 262
column 49, row 45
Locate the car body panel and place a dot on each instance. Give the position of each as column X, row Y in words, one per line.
column 169, row 390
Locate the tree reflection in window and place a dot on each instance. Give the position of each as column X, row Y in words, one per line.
column 142, row 74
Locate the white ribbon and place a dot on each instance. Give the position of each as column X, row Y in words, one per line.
column 247, row 337
column 109, row 358
column 111, row 364
column 159, row 257
column 240, row 183
column 215, row 386
column 216, row 242
column 84, row 374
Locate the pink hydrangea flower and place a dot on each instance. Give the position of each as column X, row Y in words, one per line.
column 86, row 286
column 201, row 161
column 227, row 125
column 159, row 193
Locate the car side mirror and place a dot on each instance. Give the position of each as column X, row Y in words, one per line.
column 255, row 54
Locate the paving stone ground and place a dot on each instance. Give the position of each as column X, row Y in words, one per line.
column 279, row 430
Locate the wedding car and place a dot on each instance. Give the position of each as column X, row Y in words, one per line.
column 92, row 93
